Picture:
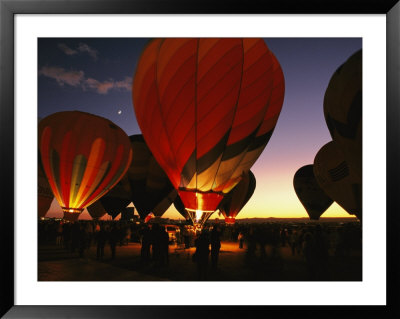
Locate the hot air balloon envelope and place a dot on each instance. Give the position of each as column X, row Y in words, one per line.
column 83, row 157
column 310, row 194
column 343, row 110
column 45, row 195
column 337, row 180
column 207, row 108
column 151, row 190
column 237, row 198
column 96, row 210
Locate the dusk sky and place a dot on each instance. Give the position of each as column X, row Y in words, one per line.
column 95, row 76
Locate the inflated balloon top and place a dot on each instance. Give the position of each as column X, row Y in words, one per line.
column 83, row 156
column 310, row 194
column 207, row 108
column 343, row 110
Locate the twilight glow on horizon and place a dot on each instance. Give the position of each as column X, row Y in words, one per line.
column 95, row 76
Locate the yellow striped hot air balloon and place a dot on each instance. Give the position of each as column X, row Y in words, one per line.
column 83, row 157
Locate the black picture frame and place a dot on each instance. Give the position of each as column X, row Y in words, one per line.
column 8, row 10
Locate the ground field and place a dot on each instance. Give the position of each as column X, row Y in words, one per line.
column 57, row 264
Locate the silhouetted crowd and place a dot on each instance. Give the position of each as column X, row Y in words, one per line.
column 81, row 235
column 315, row 243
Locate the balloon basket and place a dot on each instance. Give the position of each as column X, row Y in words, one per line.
column 230, row 220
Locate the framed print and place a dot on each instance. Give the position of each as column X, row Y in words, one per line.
column 91, row 86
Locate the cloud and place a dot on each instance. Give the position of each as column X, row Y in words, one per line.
column 73, row 78
column 100, row 87
column 67, row 50
column 78, row 79
column 105, row 86
column 82, row 48
column 125, row 84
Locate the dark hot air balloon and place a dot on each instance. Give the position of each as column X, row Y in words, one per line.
column 337, row 180
column 237, row 198
column 178, row 204
column 207, row 108
column 118, row 198
column 96, row 210
column 343, row 110
column 128, row 213
column 151, row 190
column 114, row 202
column 310, row 194
column 83, row 156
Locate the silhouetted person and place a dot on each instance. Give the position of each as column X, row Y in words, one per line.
column 309, row 254
column 202, row 251
column 156, row 244
column 114, row 236
column 292, row 241
column 89, row 233
column 215, row 246
column 299, row 241
column 67, row 236
column 75, row 230
column 146, row 244
column 241, row 240
column 283, row 237
column 59, row 234
column 260, row 234
column 321, row 253
column 164, row 246
column 274, row 241
column 186, row 238
column 121, row 234
column 251, row 246
column 128, row 234
column 101, row 237
column 160, row 245
column 82, row 240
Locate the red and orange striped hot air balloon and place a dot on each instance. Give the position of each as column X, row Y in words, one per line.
column 83, row 156
column 207, row 108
